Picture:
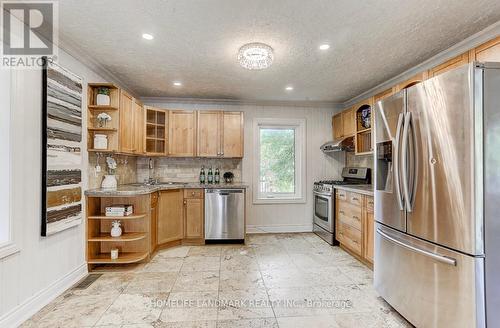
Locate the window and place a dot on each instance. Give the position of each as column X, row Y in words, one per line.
column 7, row 245
column 279, row 171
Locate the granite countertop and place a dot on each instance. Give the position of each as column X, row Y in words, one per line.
column 137, row 189
column 360, row 189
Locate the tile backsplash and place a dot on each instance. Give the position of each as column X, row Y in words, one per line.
column 359, row 161
column 125, row 171
column 184, row 169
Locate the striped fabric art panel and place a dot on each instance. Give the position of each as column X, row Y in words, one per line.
column 62, row 145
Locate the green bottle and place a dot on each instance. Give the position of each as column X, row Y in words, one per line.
column 210, row 176
column 202, row 175
column 217, row 176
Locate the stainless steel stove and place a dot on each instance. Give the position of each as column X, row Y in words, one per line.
column 324, row 200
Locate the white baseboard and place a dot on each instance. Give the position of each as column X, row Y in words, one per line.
column 279, row 228
column 32, row 305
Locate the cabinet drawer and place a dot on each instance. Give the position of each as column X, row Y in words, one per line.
column 193, row 193
column 369, row 204
column 355, row 199
column 350, row 215
column 341, row 194
column 350, row 237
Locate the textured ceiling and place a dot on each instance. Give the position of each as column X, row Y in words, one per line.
column 196, row 42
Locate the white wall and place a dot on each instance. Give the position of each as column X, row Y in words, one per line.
column 45, row 265
column 281, row 217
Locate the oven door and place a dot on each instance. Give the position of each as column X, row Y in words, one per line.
column 323, row 210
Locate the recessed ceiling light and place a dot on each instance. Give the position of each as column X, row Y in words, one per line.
column 289, row 88
column 324, row 46
column 255, row 56
column 147, row 36
column 177, row 84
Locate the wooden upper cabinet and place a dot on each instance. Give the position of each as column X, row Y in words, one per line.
column 170, row 221
column 209, row 133
column 349, row 122
column 382, row 95
column 220, row 134
column 232, row 144
column 450, row 64
column 181, row 133
column 338, row 129
column 420, row 77
column 487, row 52
column 139, row 135
column 127, row 123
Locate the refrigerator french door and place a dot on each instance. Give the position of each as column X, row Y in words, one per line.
column 431, row 247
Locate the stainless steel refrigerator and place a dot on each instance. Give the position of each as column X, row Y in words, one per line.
column 437, row 199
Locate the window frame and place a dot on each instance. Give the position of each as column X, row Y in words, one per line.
column 299, row 125
column 9, row 246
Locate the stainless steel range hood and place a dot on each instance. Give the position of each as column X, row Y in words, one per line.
column 346, row 144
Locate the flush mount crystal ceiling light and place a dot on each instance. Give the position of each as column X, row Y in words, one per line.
column 255, row 56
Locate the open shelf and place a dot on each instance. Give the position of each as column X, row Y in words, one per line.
column 103, row 108
column 126, row 236
column 103, row 129
column 123, row 258
column 104, row 217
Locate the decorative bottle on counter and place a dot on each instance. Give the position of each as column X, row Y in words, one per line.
column 217, row 176
column 202, row 175
column 210, row 176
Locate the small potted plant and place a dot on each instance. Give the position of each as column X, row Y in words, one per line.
column 103, row 98
column 228, row 177
column 109, row 181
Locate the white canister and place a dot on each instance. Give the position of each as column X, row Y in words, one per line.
column 100, row 141
column 103, row 100
column 114, row 253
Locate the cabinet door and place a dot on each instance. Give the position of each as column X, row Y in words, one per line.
column 488, row 52
column 450, row 64
column 232, row 134
column 209, row 133
column 182, row 133
column 127, row 125
column 338, row 129
column 369, row 237
column 193, row 218
column 139, row 136
column 349, row 122
column 170, row 216
column 153, row 210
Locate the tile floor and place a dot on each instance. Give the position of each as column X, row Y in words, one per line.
column 275, row 280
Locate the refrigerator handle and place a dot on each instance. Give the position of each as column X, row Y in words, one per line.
column 397, row 187
column 437, row 257
column 406, row 190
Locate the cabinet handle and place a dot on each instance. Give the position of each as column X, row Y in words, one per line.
column 185, row 202
column 193, row 193
column 355, row 217
column 341, row 212
column 355, row 198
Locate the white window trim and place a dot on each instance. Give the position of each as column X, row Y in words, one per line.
column 300, row 161
column 10, row 247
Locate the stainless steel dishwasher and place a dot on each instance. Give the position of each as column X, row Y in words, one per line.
column 225, row 215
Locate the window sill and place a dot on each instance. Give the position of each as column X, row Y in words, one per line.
column 8, row 250
column 263, row 201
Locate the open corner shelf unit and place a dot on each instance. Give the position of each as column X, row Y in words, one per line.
column 364, row 123
column 133, row 245
column 110, row 129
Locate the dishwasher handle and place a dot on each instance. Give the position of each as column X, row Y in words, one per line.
column 224, row 192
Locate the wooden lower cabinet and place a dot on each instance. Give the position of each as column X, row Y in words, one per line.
column 193, row 215
column 170, row 223
column 354, row 224
column 153, row 210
